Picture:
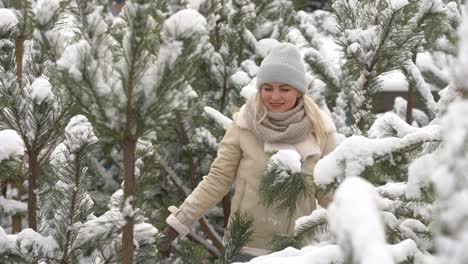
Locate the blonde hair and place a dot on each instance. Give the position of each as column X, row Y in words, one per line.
column 311, row 109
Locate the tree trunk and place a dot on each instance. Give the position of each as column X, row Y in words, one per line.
column 129, row 147
column 409, row 105
column 71, row 219
column 32, row 186
column 16, row 219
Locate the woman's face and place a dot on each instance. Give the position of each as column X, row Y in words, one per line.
column 279, row 97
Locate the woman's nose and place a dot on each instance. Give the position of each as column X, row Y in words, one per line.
column 275, row 95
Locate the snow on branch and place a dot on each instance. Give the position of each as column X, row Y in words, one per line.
column 219, row 118
column 356, row 153
column 390, row 125
column 11, row 145
column 360, row 233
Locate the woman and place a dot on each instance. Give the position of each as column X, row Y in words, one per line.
column 279, row 117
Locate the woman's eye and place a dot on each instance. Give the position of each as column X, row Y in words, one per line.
column 284, row 90
column 268, row 89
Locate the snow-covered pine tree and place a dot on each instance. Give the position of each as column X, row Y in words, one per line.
column 12, row 209
column 64, row 203
column 448, row 169
column 30, row 104
column 376, row 37
column 129, row 76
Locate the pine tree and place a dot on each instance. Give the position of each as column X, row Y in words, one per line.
column 127, row 78
column 30, row 105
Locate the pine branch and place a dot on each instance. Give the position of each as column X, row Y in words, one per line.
column 283, row 190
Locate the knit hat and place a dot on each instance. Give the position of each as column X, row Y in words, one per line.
column 283, row 64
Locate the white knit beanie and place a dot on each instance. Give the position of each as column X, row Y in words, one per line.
column 284, row 64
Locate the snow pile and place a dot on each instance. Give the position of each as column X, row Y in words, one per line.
column 74, row 58
column 11, row 144
column 78, row 133
column 12, row 207
column 288, row 161
column 219, row 118
column 45, row 10
column 41, row 90
column 8, row 19
column 184, row 24
column 359, row 232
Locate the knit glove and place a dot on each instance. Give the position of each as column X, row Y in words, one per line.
column 165, row 246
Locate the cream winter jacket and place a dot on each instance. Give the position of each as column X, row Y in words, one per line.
column 241, row 161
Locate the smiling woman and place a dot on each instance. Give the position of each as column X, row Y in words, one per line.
column 279, row 117
column 279, row 97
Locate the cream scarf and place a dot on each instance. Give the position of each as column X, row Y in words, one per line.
column 290, row 127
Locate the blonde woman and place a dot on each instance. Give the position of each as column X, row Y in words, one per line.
column 279, row 117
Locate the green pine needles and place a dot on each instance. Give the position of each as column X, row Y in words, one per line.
column 240, row 233
column 283, row 189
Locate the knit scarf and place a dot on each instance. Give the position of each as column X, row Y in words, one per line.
column 290, row 127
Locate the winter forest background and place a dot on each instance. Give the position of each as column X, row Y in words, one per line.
column 112, row 111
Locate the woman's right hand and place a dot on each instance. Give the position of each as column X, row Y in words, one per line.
column 169, row 235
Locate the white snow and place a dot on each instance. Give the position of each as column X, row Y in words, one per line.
column 355, row 153
column 219, row 118
column 202, row 135
column 44, row 10
column 264, row 46
column 397, row 4
column 73, row 58
column 315, row 216
column 285, row 160
column 8, row 19
column 393, row 81
column 250, row 68
column 240, row 79
column 11, row 144
column 310, row 254
column 359, row 232
column 461, row 67
column 389, row 125
column 79, row 132
column 12, row 207
column 185, row 23
column 41, row 89
column 250, row 89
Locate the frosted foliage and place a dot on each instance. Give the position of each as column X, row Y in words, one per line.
column 250, row 68
column 461, row 68
column 240, row 79
column 310, row 254
column 11, row 144
column 30, row 243
column 359, row 232
column 203, row 135
column 41, row 90
column 184, row 24
column 397, row 4
column 12, row 207
column 78, row 133
column 390, row 125
column 393, row 81
column 8, row 19
column 313, row 217
column 418, row 174
column 451, row 186
column 250, row 89
column 264, row 46
column 44, row 10
column 285, row 160
column 366, row 38
column 218, row 117
column 74, row 58
column 355, row 153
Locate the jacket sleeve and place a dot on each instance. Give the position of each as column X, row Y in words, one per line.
column 213, row 187
column 324, row 198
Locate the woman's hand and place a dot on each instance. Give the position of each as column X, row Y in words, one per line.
column 169, row 235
